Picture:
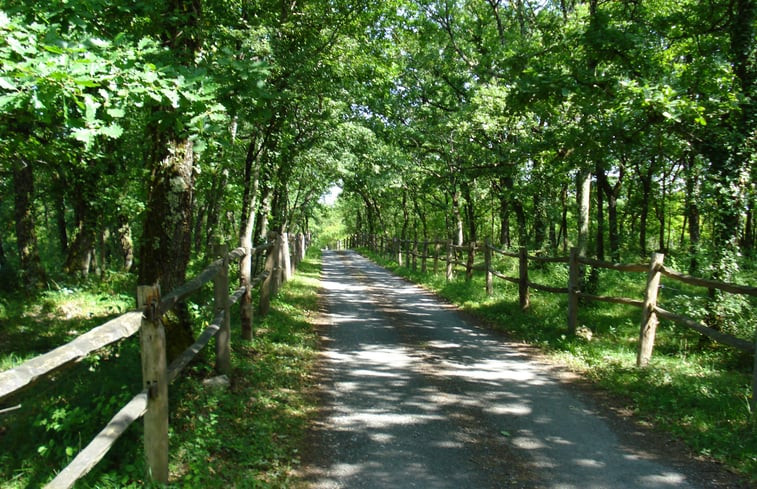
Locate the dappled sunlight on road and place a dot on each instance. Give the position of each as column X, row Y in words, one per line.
column 419, row 398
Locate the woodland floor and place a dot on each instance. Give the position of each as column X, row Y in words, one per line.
column 415, row 394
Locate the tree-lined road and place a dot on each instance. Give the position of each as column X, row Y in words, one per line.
column 417, row 397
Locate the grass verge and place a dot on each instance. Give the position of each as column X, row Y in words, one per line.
column 698, row 391
column 246, row 436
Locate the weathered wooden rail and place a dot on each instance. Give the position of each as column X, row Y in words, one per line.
column 152, row 402
column 408, row 250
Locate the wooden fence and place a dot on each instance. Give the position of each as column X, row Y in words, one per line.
column 152, row 402
column 408, row 252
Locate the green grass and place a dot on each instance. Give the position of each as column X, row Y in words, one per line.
column 247, row 436
column 697, row 390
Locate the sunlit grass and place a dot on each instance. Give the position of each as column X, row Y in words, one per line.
column 244, row 437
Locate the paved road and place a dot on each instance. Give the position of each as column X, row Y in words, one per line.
column 418, row 398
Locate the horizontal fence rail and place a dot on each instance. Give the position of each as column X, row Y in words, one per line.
column 150, row 403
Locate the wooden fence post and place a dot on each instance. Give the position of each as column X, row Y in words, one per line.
column 450, row 258
column 648, row 315
column 398, row 244
column 523, row 278
column 415, row 254
column 574, row 274
column 488, row 266
column 152, row 338
column 284, row 259
column 470, row 260
column 299, row 248
column 221, row 302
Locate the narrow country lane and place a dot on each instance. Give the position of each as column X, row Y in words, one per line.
column 417, row 398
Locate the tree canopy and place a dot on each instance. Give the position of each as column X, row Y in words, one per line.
column 133, row 127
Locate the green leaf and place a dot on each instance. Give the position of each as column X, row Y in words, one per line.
column 113, row 131
column 6, row 100
column 116, row 112
column 85, row 135
column 90, row 108
column 7, row 84
column 172, row 96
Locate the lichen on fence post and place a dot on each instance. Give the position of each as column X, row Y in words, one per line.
column 155, row 379
column 648, row 315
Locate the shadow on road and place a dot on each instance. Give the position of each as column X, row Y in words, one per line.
column 416, row 397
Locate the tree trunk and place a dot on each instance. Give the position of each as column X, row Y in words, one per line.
column 457, row 217
column 79, row 256
column 583, row 198
column 611, row 193
column 601, row 178
column 520, row 217
column 213, row 232
column 470, row 213
column 646, row 193
column 405, row 215
column 661, row 218
column 60, row 216
column 249, row 204
column 563, row 232
column 504, row 210
column 3, row 260
column 540, row 223
column 167, row 230
column 32, row 274
column 125, row 242
column 504, row 221
column 261, row 226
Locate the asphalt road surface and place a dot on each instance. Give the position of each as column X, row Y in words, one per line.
column 416, row 397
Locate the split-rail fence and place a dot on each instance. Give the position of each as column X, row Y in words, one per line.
column 408, row 252
column 275, row 260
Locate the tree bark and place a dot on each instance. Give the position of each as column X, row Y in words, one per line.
column 215, row 199
column 563, row 232
column 249, row 206
column 583, row 198
column 470, row 213
column 611, row 193
column 458, row 220
column 520, row 217
column 166, row 239
column 60, row 216
column 32, row 274
column 646, row 193
column 79, row 256
column 601, row 177
column 125, row 242
column 504, row 221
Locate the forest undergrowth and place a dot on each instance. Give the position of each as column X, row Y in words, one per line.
column 245, row 436
column 695, row 389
